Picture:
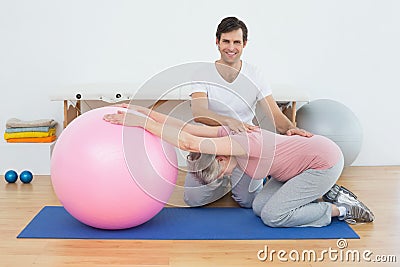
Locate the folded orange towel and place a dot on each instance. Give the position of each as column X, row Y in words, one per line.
column 48, row 139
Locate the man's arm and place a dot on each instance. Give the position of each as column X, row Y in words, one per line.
column 282, row 124
column 202, row 114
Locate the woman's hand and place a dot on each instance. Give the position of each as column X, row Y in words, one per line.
column 126, row 118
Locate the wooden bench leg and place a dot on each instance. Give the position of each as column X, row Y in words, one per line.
column 293, row 119
column 157, row 104
column 65, row 123
column 71, row 112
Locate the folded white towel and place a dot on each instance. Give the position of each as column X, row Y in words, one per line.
column 13, row 123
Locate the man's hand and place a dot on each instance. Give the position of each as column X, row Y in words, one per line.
column 298, row 131
column 238, row 126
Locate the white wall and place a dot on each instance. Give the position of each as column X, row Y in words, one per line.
column 347, row 50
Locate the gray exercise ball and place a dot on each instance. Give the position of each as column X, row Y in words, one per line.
column 333, row 120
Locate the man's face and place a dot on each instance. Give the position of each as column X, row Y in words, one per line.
column 231, row 46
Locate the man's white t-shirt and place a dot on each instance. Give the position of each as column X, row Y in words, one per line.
column 237, row 99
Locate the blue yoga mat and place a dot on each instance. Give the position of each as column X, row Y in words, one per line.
column 181, row 224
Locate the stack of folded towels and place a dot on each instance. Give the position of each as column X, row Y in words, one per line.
column 37, row 131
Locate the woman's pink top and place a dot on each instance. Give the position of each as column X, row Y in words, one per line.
column 282, row 156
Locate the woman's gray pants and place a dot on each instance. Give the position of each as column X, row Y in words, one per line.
column 292, row 203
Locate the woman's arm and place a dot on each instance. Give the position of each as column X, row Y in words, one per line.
column 178, row 138
column 198, row 130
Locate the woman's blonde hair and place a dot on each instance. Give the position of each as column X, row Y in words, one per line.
column 205, row 167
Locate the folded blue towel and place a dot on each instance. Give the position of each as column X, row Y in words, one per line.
column 28, row 129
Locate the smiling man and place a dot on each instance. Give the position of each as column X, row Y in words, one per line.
column 231, row 102
column 231, row 39
column 231, row 46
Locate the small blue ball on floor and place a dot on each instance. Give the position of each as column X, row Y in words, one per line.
column 26, row 177
column 11, row 176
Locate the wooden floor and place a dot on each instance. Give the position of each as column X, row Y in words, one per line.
column 378, row 187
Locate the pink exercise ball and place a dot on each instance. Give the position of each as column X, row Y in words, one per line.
column 111, row 176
